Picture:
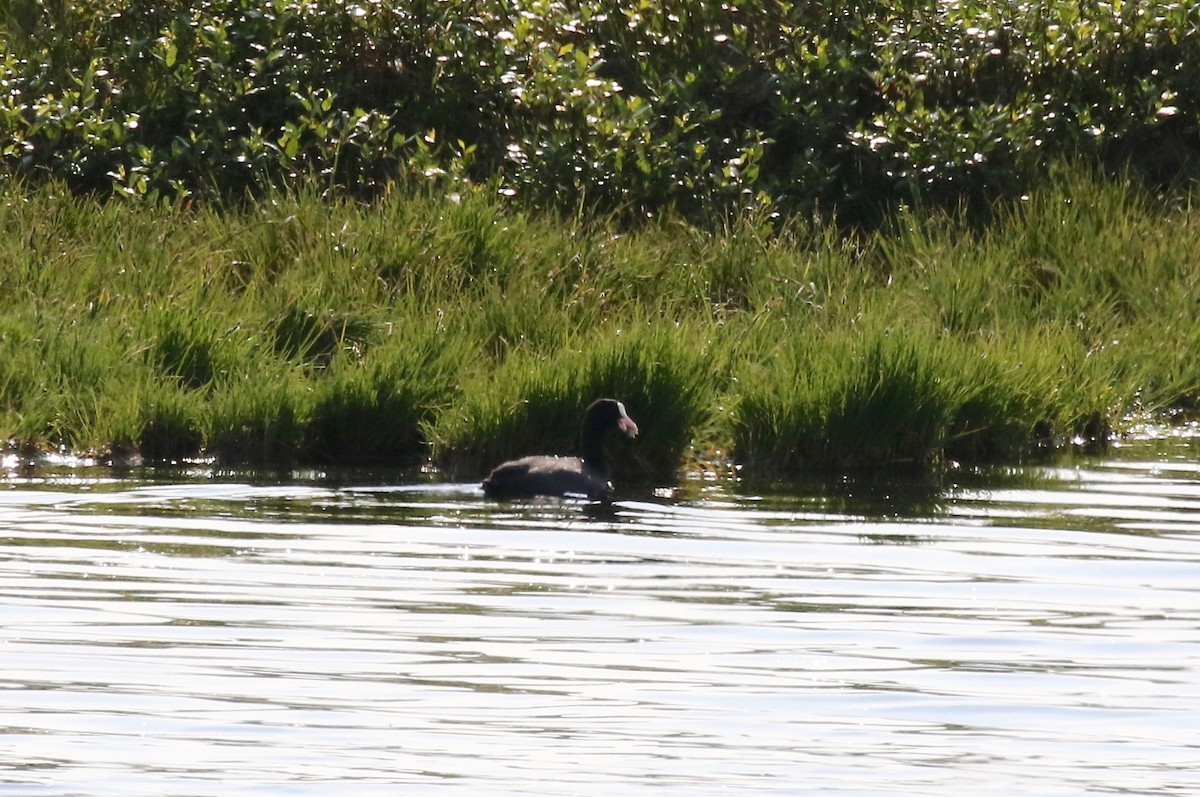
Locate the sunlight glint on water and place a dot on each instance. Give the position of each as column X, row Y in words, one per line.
column 1025, row 632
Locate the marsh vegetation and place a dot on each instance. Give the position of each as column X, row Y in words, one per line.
column 305, row 328
column 785, row 236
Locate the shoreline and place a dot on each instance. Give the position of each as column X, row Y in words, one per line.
column 310, row 330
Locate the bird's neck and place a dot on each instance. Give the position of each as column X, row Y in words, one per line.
column 592, row 453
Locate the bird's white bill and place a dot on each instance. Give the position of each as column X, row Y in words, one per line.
column 625, row 423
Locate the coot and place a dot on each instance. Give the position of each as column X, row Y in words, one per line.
column 550, row 475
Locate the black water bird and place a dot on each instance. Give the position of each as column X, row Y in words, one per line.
column 585, row 475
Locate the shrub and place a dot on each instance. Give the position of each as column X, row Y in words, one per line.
column 700, row 106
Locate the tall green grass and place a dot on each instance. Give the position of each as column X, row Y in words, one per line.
column 309, row 328
column 666, row 375
column 374, row 406
column 902, row 396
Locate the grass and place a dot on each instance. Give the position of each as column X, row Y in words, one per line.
column 890, row 396
column 664, row 374
column 305, row 328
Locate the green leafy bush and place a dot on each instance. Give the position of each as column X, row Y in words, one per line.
column 700, row 106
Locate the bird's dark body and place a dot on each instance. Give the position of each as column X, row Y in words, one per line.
column 545, row 475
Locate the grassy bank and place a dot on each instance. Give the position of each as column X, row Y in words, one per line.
column 307, row 329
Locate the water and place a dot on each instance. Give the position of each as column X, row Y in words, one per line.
column 1031, row 631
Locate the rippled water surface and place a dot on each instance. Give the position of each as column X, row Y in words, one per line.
column 1032, row 631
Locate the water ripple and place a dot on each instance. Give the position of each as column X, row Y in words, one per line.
column 1032, row 632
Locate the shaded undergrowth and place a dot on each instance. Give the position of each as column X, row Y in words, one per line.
column 305, row 328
